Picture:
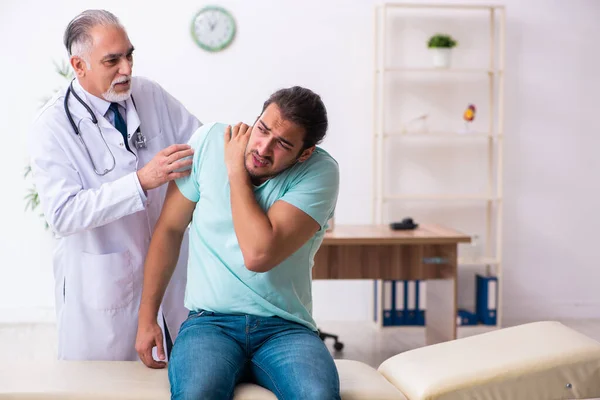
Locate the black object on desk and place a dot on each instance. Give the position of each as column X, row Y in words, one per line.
column 405, row 224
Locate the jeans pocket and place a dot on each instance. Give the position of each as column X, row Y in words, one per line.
column 192, row 317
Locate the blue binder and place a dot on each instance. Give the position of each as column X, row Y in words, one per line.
column 411, row 302
column 465, row 317
column 399, row 303
column 421, row 303
column 383, row 312
column 375, row 302
column 486, row 298
column 388, row 303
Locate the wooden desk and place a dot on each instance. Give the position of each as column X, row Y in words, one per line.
column 376, row 252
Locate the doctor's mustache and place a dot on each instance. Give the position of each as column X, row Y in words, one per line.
column 121, row 79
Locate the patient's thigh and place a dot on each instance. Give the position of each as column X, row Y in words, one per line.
column 207, row 361
column 294, row 363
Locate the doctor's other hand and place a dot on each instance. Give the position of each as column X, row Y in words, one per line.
column 171, row 163
column 149, row 335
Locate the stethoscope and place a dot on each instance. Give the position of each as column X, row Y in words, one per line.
column 140, row 139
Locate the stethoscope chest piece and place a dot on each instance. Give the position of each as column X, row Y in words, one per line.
column 140, row 140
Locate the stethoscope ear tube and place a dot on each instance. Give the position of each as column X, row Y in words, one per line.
column 66, row 104
column 95, row 121
column 68, row 112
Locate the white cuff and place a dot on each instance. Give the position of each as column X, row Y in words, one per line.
column 140, row 190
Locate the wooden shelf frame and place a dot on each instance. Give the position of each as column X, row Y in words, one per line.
column 494, row 135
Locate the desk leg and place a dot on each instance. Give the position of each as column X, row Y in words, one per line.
column 440, row 317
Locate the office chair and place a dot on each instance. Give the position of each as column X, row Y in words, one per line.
column 337, row 345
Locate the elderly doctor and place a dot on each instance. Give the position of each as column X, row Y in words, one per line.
column 101, row 152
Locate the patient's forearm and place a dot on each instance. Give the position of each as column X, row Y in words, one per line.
column 252, row 226
column 158, row 269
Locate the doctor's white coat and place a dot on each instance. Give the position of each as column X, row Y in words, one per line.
column 104, row 223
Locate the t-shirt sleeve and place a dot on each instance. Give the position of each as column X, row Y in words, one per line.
column 189, row 185
column 315, row 191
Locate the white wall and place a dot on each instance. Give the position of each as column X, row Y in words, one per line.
column 552, row 85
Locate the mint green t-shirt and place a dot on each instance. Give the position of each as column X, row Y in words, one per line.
column 217, row 279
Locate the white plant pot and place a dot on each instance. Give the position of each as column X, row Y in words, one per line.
column 441, row 57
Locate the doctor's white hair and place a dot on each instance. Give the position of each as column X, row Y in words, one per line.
column 77, row 38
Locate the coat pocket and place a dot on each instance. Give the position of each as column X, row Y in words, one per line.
column 107, row 280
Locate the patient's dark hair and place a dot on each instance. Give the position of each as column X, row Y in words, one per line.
column 304, row 108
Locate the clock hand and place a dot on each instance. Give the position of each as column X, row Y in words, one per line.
column 212, row 24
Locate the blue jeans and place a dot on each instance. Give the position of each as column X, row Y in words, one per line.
column 213, row 352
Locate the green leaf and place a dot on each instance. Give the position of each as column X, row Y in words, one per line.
column 33, row 199
column 63, row 69
column 440, row 40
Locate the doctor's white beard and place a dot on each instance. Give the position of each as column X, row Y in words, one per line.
column 114, row 97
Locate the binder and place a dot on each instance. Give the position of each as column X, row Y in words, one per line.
column 399, row 303
column 465, row 317
column 411, row 303
column 388, row 300
column 421, row 302
column 375, row 303
column 486, row 298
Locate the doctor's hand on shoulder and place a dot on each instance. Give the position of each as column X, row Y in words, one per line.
column 171, row 163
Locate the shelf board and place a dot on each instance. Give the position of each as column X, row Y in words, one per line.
column 444, row 197
column 442, row 70
column 442, row 134
column 480, row 261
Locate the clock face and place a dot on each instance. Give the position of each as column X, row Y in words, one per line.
column 213, row 28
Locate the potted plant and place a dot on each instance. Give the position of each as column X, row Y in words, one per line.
column 441, row 46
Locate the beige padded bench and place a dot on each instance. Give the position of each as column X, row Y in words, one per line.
column 541, row 360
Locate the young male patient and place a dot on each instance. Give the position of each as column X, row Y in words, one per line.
column 258, row 199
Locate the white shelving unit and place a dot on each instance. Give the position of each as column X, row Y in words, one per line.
column 487, row 75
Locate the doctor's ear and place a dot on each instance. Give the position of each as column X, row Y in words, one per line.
column 79, row 65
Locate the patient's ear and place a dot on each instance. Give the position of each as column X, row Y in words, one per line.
column 306, row 153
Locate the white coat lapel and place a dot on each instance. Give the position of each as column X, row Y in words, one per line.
column 133, row 120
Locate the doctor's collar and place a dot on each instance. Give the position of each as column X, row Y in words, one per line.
column 99, row 105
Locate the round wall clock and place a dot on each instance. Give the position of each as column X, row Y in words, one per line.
column 213, row 28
